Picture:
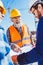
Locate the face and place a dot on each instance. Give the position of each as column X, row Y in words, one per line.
column 40, row 9
column 16, row 19
column 35, row 12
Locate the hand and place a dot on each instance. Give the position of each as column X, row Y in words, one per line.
column 14, row 59
column 16, row 48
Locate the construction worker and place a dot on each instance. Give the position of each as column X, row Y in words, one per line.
column 36, row 54
column 18, row 35
column 4, row 47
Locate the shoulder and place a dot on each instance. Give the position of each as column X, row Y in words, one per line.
column 25, row 26
column 9, row 27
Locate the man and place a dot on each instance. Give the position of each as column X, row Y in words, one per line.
column 18, row 35
column 4, row 47
column 35, row 54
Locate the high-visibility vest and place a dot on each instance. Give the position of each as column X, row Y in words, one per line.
column 16, row 37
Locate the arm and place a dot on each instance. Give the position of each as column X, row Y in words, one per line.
column 8, row 36
column 13, row 45
column 26, row 58
column 36, row 53
column 3, row 43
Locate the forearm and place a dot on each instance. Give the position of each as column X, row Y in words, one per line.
column 28, row 57
column 35, row 54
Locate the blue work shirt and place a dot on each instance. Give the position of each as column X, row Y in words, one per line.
column 4, row 49
column 35, row 54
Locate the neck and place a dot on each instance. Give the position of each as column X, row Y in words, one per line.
column 42, row 12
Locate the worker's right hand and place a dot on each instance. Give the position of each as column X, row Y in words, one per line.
column 16, row 48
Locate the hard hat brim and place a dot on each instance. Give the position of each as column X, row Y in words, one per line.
column 37, row 2
column 15, row 13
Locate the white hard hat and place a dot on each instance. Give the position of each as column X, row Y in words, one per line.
column 31, row 2
column 38, row 2
column 34, row 3
column 1, row 4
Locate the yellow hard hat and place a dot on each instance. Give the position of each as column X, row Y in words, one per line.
column 14, row 13
column 2, row 8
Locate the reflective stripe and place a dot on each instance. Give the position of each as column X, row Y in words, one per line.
column 26, row 44
column 26, row 38
column 17, row 41
column 21, row 40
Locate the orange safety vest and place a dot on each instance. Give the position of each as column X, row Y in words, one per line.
column 16, row 37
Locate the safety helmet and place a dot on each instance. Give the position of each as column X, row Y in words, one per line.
column 14, row 13
column 38, row 2
column 31, row 2
column 2, row 8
